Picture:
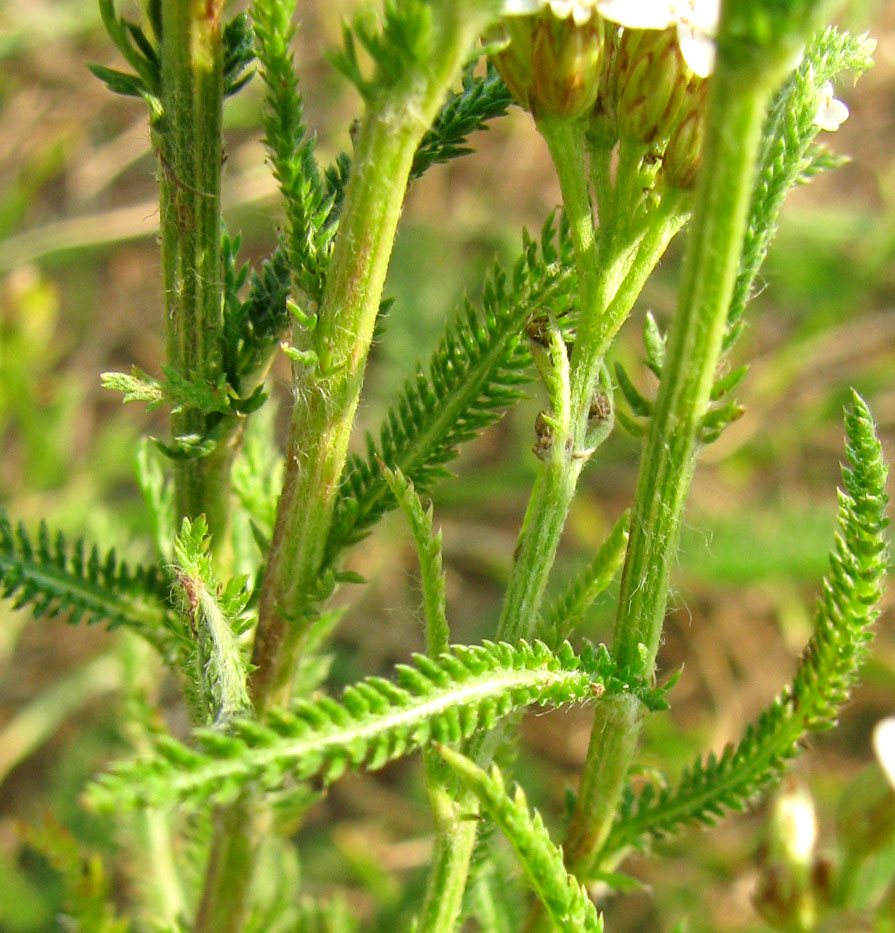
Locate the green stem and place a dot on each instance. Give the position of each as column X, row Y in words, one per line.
column 736, row 112
column 190, row 150
column 326, row 401
column 555, row 484
column 611, row 275
column 454, row 843
column 327, row 394
column 608, row 287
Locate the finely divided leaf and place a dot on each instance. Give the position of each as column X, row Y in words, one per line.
column 52, row 577
column 444, row 699
column 845, row 612
column 562, row 896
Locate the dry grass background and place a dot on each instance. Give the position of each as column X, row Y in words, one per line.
column 79, row 294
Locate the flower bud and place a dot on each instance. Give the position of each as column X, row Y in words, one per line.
column 649, row 84
column 551, row 64
column 683, row 154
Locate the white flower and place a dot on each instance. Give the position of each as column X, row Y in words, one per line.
column 521, row 7
column 831, row 113
column 696, row 22
column 580, row 10
column 884, row 746
column 795, row 822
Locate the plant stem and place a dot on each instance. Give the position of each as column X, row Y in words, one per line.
column 454, row 843
column 190, row 149
column 611, row 273
column 737, row 109
column 327, row 395
column 608, row 287
column 555, row 484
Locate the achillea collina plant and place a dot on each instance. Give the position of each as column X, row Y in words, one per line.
column 658, row 116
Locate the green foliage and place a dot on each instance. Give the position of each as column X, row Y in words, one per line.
column 54, row 577
column 474, row 374
column 567, row 612
column 845, row 611
column 257, row 474
column 214, row 621
column 139, row 53
column 789, row 152
column 253, row 329
column 480, row 99
column 254, row 326
column 88, row 904
column 443, row 699
column 493, row 894
column 398, row 43
column 175, row 391
column 239, row 53
column 562, row 896
column 428, row 546
column 309, row 225
column 789, row 156
column 142, row 54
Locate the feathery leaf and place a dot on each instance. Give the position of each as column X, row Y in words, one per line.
column 444, row 699
column 564, row 899
column 789, row 154
column 52, row 577
column 309, row 230
column 845, row 611
column 214, row 619
column 464, row 112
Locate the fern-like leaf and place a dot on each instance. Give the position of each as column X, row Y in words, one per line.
column 52, row 577
column 789, row 154
column 481, row 99
column 214, row 620
column 443, row 699
column 564, row 899
column 475, row 373
column 828, row 669
column 309, row 233
column 254, row 326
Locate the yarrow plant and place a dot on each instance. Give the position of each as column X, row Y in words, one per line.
column 659, row 116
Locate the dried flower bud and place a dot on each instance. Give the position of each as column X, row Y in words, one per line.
column 552, row 65
column 543, row 444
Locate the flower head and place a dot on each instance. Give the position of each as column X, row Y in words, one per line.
column 831, row 113
column 580, row 11
column 696, row 22
column 551, row 61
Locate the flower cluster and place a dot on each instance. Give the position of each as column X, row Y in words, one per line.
column 641, row 64
column 695, row 21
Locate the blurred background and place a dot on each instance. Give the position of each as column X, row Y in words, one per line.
column 80, row 294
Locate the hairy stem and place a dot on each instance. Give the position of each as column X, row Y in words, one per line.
column 555, row 484
column 190, row 150
column 609, row 285
column 736, row 112
column 327, row 395
column 611, row 274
